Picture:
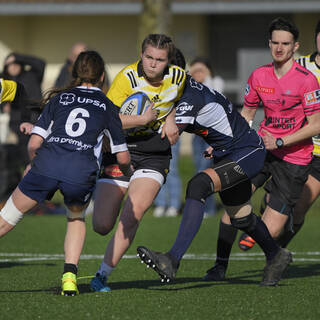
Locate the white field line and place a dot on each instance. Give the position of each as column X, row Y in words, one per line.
column 255, row 256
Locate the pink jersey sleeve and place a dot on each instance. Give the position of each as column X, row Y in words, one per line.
column 311, row 94
column 251, row 97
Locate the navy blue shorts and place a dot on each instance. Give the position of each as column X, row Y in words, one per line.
column 236, row 171
column 39, row 188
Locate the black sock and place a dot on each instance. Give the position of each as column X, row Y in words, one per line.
column 260, row 233
column 226, row 237
column 69, row 267
column 287, row 235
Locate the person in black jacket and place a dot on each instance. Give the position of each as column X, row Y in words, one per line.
column 28, row 71
column 65, row 76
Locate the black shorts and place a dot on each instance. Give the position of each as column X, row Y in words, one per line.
column 286, row 179
column 159, row 162
column 110, row 170
column 315, row 168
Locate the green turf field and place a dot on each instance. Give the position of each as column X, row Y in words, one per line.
column 31, row 263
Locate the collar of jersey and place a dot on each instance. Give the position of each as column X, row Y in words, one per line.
column 89, row 88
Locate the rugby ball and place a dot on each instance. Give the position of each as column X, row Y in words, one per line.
column 135, row 104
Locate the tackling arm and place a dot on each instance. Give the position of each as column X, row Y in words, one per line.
column 248, row 114
column 34, row 144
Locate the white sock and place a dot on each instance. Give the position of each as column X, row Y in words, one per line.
column 106, row 269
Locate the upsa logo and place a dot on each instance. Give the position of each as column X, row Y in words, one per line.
column 67, row 98
column 312, row 97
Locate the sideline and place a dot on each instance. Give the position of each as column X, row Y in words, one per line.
column 312, row 256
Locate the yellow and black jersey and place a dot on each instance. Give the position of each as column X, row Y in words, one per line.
column 309, row 62
column 131, row 79
column 8, row 90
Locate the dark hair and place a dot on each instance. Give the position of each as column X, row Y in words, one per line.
column 160, row 41
column 178, row 59
column 317, row 30
column 5, row 74
column 202, row 60
column 285, row 25
column 88, row 67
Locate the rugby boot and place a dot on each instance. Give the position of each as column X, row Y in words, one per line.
column 216, row 273
column 163, row 263
column 99, row 283
column 69, row 284
column 275, row 268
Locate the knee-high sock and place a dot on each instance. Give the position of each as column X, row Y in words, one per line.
column 226, row 237
column 189, row 226
column 259, row 232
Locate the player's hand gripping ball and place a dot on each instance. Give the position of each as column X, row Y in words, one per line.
column 135, row 104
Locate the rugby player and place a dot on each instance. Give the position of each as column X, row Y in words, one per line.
column 238, row 155
column 64, row 149
column 149, row 148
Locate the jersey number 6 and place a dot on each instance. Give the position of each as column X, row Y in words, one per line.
column 75, row 127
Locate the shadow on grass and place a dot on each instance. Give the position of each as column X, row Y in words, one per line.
column 248, row 277
column 7, row 265
column 303, row 270
column 176, row 285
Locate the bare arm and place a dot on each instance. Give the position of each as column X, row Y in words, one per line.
column 308, row 131
column 170, row 128
column 123, row 159
column 132, row 121
column 34, row 144
column 248, row 114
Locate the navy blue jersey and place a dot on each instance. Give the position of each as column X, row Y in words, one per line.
column 211, row 115
column 73, row 124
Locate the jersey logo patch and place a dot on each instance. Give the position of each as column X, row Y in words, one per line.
column 312, row 97
column 182, row 108
column 195, row 84
column 265, row 90
column 247, row 90
column 67, row 98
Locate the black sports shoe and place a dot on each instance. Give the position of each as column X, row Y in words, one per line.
column 216, row 273
column 163, row 263
column 275, row 268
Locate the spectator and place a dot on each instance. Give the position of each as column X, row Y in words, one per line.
column 28, row 71
column 13, row 98
column 65, row 76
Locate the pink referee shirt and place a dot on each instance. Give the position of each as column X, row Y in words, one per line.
column 286, row 102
